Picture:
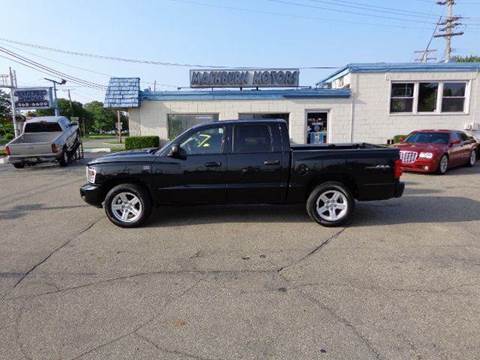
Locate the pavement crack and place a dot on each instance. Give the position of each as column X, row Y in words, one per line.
column 126, row 277
column 136, row 329
column 54, row 251
column 174, row 352
column 313, row 251
column 344, row 321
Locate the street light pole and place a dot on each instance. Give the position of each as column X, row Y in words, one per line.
column 13, row 85
column 62, row 82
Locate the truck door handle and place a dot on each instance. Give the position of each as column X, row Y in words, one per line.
column 271, row 162
column 213, row 164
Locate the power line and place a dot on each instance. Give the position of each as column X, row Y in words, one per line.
column 377, row 8
column 42, row 68
column 78, row 67
column 347, row 11
column 150, row 62
column 316, row 18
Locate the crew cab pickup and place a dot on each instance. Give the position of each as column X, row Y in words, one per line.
column 46, row 138
column 243, row 161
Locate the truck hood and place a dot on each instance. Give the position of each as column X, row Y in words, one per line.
column 421, row 147
column 140, row 155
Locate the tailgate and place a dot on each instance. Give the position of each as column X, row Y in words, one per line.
column 33, row 144
column 30, row 149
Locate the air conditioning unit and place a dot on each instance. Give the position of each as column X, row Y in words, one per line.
column 473, row 126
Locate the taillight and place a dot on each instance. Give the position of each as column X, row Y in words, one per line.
column 7, row 149
column 397, row 169
column 54, row 148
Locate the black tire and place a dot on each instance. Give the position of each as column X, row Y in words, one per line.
column 472, row 159
column 144, row 206
column 325, row 189
column 441, row 170
column 65, row 158
column 18, row 165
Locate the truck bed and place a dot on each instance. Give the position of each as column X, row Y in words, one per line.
column 348, row 146
column 33, row 144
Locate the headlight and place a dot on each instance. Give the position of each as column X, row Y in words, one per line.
column 91, row 173
column 425, row 155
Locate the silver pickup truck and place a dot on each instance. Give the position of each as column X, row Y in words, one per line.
column 48, row 138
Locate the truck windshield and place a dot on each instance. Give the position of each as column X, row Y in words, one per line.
column 428, row 138
column 42, row 127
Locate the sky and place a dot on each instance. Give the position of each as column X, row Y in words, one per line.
column 233, row 33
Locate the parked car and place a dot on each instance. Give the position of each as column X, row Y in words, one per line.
column 243, row 161
column 47, row 138
column 429, row 151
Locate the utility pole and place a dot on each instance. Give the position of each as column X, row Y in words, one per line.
column 70, row 100
column 119, row 126
column 55, row 83
column 154, row 85
column 13, row 86
column 448, row 30
column 424, row 58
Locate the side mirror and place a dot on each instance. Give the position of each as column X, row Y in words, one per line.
column 177, row 152
column 455, row 142
column 74, row 123
column 402, row 139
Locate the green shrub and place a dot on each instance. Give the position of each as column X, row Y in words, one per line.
column 398, row 138
column 140, row 142
column 9, row 136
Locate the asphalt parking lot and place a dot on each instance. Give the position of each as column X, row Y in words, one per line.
column 401, row 282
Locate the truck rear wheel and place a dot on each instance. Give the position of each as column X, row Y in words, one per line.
column 65, row 158
column 127, row 205
column 19, row 165
column 330, row 204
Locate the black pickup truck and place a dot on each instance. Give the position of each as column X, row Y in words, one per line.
column 242, row 161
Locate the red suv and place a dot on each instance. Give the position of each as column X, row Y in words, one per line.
column 428, row 151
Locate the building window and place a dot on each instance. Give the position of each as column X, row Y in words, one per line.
column 402, row 97
column 178, row 123
column 453, row 97
column 427, row 97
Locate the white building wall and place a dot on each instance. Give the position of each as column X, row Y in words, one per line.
column 151, row 117
column 371, row 95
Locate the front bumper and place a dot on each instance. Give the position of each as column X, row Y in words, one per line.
column 421, row 166
column 92, row 194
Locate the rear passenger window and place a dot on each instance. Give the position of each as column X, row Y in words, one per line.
column 252, row 139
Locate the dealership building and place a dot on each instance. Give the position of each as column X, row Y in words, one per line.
column 358, row 103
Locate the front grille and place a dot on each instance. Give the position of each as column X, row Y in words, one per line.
column 408, row 157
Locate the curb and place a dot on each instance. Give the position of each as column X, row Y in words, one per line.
column 97, row 150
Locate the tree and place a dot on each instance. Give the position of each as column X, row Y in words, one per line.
column 469, row 58
column 102, row 119
column 4, row 106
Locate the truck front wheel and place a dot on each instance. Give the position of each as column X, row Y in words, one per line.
column 19, row 165
column 127, row 205
column 330, row 204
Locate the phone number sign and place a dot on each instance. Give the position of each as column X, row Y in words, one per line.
column 33, row 98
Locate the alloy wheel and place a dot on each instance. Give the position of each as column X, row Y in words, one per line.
column 126, row 207
column 444, row 164
column 332, row 205
column 473, row 158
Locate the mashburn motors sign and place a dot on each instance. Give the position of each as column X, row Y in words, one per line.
column 244, row 78
column 33, row 98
